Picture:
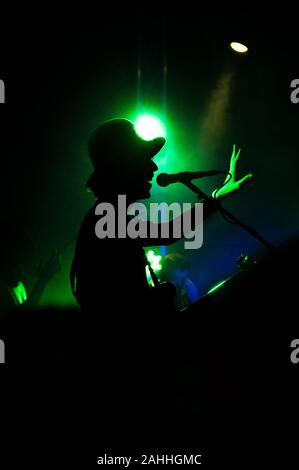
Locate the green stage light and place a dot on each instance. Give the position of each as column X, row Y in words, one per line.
column 154, row 260
column 238, row 47
column 149, row 127
column 20, row 293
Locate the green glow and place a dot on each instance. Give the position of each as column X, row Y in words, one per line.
column 170, row 159
column 154, row 260
column 149, row 277
column 57, row 292
column 149, row 127
column 20, row 293
column 238, row 47
column 217, row 287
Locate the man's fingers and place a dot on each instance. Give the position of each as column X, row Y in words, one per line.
column 238, row 155
column 245, row 179
column 234, row 158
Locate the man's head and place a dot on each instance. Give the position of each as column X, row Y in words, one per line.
column 122, row 161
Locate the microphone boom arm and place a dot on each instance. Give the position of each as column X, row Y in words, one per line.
column 235, row 220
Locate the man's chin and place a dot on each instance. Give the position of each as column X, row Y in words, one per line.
column 144, row 195
column 145, row 192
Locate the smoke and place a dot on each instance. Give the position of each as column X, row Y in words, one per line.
column 215, row 121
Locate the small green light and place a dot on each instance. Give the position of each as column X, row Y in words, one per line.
column 217, row 286
column 149, row 277
column 154, row 260
column 149, row 127
column 20, row 293
column 238, row 47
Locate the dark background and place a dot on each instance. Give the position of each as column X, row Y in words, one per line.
column 60, row 84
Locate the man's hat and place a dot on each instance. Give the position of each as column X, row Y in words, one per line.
column 116, row 142
column 116, row 147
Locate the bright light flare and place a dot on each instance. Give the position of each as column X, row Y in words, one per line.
column 149, row 127
column 154, row 260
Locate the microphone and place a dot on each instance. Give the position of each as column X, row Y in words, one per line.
column 164, row 179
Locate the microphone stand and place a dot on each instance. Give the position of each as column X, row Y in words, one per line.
column 235, row 220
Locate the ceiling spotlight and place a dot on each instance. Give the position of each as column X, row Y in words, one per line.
column 238, row 47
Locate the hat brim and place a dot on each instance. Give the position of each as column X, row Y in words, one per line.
column 151, row 147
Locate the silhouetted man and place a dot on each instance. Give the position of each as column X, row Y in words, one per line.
column 133, row 366
column 108, row 274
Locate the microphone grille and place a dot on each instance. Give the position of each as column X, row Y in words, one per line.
column 163, row 179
